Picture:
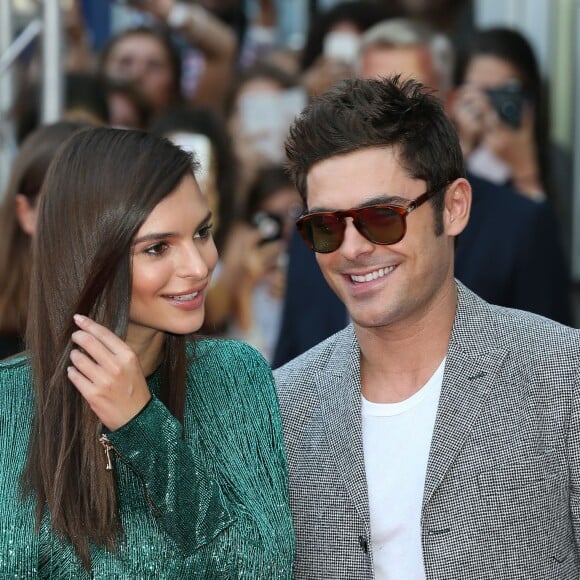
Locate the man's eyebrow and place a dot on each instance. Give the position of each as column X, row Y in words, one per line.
column 153, row 236
column 383, row 198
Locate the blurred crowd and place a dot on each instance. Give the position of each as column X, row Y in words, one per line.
column 216, row 78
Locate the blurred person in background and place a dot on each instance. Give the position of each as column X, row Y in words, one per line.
column 264, row 39
column 152, row 58
column 149, row 59
column 85, row 99
column 453, row 18
column 263, row 101
column 272, row 208
column 331, row 48
column 18, row 214
column 501, row 113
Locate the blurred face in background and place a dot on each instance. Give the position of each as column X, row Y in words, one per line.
column 487, row 71
column 287, row 205
column 410, row 61
column 143, row 59
column 263, row 112
column 206, row 175
column 26, row 210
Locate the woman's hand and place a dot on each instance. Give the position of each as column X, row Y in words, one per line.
column 159, row 8
column 477, row 122
column 107, row 374
column 517, row 147
column 469, row 112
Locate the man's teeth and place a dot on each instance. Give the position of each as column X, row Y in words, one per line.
column 373, row 275
column 184, row 297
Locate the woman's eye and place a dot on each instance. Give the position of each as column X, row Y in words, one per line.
column 204, row 232
column 156, row 250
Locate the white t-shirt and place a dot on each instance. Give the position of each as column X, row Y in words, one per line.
column 396, row 443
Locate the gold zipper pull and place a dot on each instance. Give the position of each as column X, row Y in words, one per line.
column 104, row 440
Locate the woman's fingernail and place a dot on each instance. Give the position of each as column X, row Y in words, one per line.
column 79, row 318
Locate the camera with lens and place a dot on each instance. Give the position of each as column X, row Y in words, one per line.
column 509, row 100
column 269, row 225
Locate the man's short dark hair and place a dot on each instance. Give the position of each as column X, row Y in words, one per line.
column 390, row 112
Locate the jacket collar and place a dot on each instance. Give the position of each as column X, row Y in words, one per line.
column 473, row 361
column 339, row 392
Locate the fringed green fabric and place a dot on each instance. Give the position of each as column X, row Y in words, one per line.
column 207, row 499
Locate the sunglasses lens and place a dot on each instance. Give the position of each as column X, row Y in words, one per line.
column 322, row 232
column 380, row 225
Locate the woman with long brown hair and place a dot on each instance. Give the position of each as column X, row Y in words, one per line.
column 129, row 449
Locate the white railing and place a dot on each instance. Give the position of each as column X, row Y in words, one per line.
column 50, row 26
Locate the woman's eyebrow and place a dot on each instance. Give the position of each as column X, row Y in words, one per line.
column 161, row 235
column 153, row 236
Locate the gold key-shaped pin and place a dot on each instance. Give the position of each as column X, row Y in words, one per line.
column 104, row 440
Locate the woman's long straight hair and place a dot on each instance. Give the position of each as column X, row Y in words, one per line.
column 99, row 190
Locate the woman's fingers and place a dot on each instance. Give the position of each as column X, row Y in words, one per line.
column 86, row 365
column 107, row 373
column 104, row 335
column 79, row 380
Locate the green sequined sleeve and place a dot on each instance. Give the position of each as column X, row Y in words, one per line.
column 189, row 504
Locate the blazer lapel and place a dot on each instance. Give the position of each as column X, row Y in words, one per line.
column 340, row 401
column 473, row 361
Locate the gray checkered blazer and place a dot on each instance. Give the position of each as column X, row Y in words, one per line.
column 502, row 491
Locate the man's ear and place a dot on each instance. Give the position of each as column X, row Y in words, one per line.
column 457, row 207
column 25, row 213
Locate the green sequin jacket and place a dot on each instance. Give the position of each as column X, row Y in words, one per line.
column 211, row 505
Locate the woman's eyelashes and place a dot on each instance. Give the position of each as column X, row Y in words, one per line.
column 204, row 231
column 157, row 249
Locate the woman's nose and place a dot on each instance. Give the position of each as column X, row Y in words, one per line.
column 192, row 263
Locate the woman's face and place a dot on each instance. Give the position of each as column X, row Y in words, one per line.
column 143, row 59
column 488, row 72
column 201, row 146
column 173, row 257
column 287, row 205
column 26, row 213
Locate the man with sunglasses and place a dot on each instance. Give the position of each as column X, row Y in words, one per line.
column 436, row 436
column 499, row 251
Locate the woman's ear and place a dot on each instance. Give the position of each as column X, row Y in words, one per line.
column 457, row 206
column 26, row 214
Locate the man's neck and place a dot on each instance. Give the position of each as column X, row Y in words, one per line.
column 397, row 360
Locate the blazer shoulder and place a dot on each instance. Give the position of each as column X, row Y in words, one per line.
column 534, row 333
column 326, row 356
